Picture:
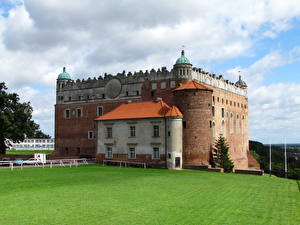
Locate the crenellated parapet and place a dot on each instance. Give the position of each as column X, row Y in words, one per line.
column 217, row 81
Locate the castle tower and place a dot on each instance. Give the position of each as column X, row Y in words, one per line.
column 183, row 68
column 61, row 82
column 194, row 100
column 174, row 137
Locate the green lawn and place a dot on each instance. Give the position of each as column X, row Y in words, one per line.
column 28, row 152
column 96, row 194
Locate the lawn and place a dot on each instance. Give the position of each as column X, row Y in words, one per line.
column 28, row 152
column 96, row 194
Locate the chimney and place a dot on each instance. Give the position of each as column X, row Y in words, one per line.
column 157, row 99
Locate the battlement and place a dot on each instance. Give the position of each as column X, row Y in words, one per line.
column 153, row 75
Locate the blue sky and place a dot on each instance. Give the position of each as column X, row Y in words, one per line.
column 260, row 38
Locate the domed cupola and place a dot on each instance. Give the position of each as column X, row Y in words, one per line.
column 183, row 67
column 240, row 83
column 182, row 59
column 64, row 75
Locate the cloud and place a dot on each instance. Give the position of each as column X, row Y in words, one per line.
column 274, row 112
column 38, row 38
column 258, row 71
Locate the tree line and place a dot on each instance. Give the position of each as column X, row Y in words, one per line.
column 261, row 153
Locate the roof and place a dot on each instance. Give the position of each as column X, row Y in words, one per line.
column 64, row 75
column 139, row 110
column 173, row 112
column 192, row 85
column 182, row 59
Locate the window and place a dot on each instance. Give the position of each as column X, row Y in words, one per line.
column 213, row 98
column 137, row 93
column 132, row 131
column 213, row 111
column 184, row 124
column 163, row 85
column 91, row 134
column 103, row 95
column 173, row 84
column 127, row 93
column 154, row 86
column 169, row 155
column 78, row 112
column 109, row 153
column 231, row 123
column 213, row 129
column 99, row 110
column 243, row 125
column 70, row 98
column 108, row 132
column 67, row 114
column 223, row 131
column 131, row 154
column 156, row 153
column 223, row 113
column 79, row 98
column 152, row 93
column 237, row 124
column 156, row 131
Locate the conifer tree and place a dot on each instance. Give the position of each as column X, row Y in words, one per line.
column 221, row 156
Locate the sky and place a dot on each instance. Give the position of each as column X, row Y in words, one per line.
column 260, row 38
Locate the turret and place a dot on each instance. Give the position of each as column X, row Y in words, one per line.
column 174, row 144
column 240, row 83
column 61, row 82
column 183, row 67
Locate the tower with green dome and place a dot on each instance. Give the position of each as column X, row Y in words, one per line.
column 62, row 80
column 183, row 67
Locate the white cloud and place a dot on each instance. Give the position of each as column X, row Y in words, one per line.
column 91, row 37
column 274, row 112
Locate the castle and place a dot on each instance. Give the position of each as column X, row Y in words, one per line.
column 187, row 102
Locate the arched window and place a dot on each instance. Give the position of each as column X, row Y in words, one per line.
column 231, row 123
column 223, row 127
column 243, row 125
column 213, row 129
column 237, row 124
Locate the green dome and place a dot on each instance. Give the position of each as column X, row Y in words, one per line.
column 64, row 75
column 183, row 59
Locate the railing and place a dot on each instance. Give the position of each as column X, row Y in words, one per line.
column 50, row 163
column 125, row 163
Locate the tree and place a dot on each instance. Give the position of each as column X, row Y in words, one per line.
column 220, row 156
column 15, row 118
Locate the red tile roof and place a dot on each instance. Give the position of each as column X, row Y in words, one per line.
column 192, row 85
column 138, row 110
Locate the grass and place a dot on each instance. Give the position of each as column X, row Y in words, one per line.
column 28, row 152
column 96, row 194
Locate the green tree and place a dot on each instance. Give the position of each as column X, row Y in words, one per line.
column 221, row 157
column 15, row 118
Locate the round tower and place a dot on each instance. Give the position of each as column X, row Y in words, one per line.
column 174, row 137
column 194, row 101
column 183, row 67
column 61, row 82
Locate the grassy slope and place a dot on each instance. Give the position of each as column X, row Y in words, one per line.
column 27, row 152
column 110, row 195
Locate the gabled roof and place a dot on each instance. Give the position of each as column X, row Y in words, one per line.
column 139, row 110
column 192, row 85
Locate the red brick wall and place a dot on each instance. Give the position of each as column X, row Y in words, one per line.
column 238, row 142
column 196, row 108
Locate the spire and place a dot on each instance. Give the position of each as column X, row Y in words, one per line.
column 182, row 51
column 64, row 69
